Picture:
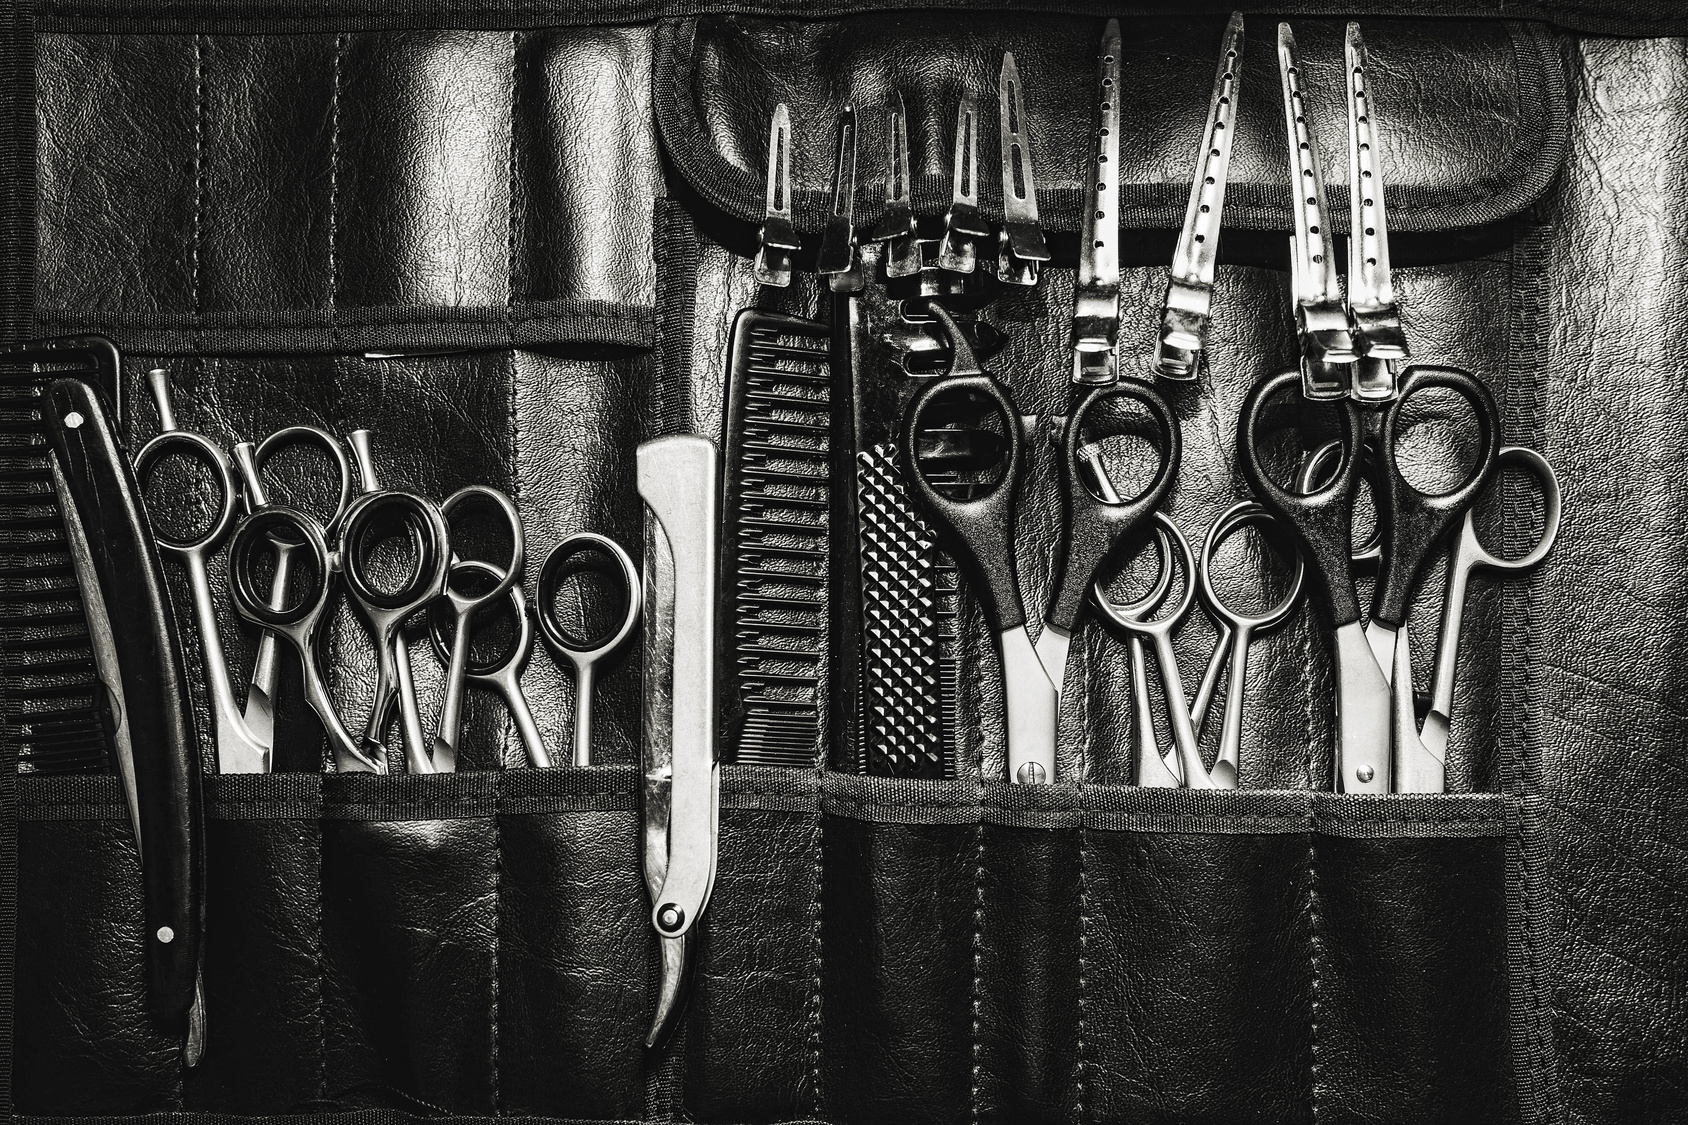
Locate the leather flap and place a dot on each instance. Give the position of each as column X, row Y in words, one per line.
column 1472, row 112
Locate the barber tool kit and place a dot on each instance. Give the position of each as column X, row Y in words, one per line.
column 763, row 563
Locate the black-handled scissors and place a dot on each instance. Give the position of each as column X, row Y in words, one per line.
column 1411, row 522
column 982, row 527
column 586, row 552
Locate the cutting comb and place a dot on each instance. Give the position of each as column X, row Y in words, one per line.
column 774, row 544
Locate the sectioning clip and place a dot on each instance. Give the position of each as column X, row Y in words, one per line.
column 1373, row 314
column 1189, row 290
column 1321, row 319
column 1020, row 246
column 838, row 261
column 964, row 227
column 897, row 226
column 1095, row 331
column 778, row 237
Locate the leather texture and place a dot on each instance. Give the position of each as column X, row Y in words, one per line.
column 254, row 212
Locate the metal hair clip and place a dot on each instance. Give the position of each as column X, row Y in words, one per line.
column 1095, row 329
column 964, row 227
column 778, row 236
column 839, row 261
column 1374, row 316
column 1189, row 290
column 897, row 226
column 1020, row 246
column 1321, row 319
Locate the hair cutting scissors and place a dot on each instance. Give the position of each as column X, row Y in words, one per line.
column 983, row 527
column 501, row 673
column 587, row 553
column 465, row 606
column 1412, row 524
column 1237, row 630
column 245, row 738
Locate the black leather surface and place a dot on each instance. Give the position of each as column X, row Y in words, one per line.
column 253, row 211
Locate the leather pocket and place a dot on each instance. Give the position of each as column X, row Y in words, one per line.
column 410, row 884
column 84, row 1042
column 753, row 1035
column 575, row 954
column 265, row 1045
column 898, row 926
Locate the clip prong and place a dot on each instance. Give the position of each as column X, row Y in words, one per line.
column 1189, row 290
column 1020, row 247
column 1095, row 332
column 963, row 225
column 1374, row 315
column 778, row 237
column 838, row 260
column 1321, row 318
column 897, row 226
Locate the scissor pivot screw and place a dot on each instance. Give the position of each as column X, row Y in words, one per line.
column 1364, row 773
column 670, row 918
column 73, row 421
column 166, row 934
column 1031, row 774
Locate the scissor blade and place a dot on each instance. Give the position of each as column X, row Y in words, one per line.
column 1052, row 647
column 1363, row 716
column 671, row 988
column 1417, row 770
column 1033, row 710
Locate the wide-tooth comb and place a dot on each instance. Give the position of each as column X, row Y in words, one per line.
column 774, row 571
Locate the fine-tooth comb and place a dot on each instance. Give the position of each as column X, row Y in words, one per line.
column 774, row 570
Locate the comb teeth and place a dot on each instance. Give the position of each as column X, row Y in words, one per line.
column 779, row 430
column 54, row 703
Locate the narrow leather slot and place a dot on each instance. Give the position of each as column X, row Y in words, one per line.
column 575, row 951
column 264, row 1050
column 409, row 930
column 753, row 1035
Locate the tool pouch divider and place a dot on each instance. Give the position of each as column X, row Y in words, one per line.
column 876, row 950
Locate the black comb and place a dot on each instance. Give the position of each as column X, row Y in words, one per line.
column 774, row 570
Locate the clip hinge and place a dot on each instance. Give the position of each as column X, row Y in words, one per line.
column 778, row 237
column 839, row 260
column 1095, row 330
column 1374, row 315
column 964, row 227
column 1020, row 247
column 897, row 226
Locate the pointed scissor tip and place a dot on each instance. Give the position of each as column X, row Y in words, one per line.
column 1008, row 64
column 782, row 114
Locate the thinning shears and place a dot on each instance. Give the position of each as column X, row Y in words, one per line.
column 983, row 527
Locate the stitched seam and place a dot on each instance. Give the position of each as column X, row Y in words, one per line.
column 198, row 165
column 816, row 913
column 334, row 194
column 1081, row 1069
column 978, row 953
column 497, row 933
column 1313, row 963
column 513, row 458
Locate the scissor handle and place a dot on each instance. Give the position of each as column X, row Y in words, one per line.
column 329, row 444
column 1473, row 555
column 200, row 448
column 982, row 526
column 511, row 574
column 1095, row 524
column 515, row 654
column 1322, row 521
column 575, row 555
column 1234, row 519
column 1313, row 468
column 1139, row 616
column 429, row 538
column 257, row 537
column 1415, row 522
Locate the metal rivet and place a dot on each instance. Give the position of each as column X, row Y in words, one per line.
column 74, row 420
column 1031, row 774
column 1364, row 773
column 670, row 918
column 166, row 934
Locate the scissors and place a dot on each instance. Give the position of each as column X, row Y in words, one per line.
column 245, row 738
column 465, row 606
column 982, row 526
column 581, row 553
column 1427, row 773
column 501, row 673
column 1237, row 630
column 302, row 623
